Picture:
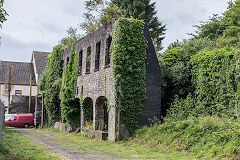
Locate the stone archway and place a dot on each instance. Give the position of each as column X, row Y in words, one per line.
column 101, row 114
column 88, row 111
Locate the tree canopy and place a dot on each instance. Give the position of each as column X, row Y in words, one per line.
column 202, row 72
column 72, row 36
column 99, row 13
column 144, row 10
column 3, row 13
column 102, row 12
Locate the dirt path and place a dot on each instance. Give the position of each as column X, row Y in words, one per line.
column 61, row 151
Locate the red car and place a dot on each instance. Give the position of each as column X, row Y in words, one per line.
column 20, row 120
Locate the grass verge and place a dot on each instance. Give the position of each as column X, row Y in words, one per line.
column 14, row 146
column 123, row 149
column 195, row 138
column 203, row 137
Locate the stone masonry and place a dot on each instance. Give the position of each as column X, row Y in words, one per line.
column 96, row 81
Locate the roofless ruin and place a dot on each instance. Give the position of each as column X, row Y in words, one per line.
column 96, row 82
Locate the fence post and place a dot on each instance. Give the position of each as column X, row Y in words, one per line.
column 2, row 110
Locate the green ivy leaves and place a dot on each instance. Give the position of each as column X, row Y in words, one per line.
column 69, row 105
column 49, row 83
column 128, row 51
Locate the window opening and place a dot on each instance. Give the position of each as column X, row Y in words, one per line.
column 97, row 57
column 88, row 60
column 107, row 56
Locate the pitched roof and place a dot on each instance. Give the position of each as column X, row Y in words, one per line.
column 40, row 60
column 20, row 72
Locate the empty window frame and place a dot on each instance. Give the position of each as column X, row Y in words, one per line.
column 88, row 60
column 67, row 61
column 107, row 56
column 97, row 56
column 18, row 92
column 80, row 62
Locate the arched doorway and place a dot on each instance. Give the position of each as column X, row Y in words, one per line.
column 101, row 110
column 71, row 114
column 88, row 112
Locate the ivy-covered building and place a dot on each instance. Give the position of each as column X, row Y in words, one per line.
column 96, row 83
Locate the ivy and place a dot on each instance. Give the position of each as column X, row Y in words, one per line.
column 214, row 80
column 49, row 83
column 69, row 105
column 128, row 51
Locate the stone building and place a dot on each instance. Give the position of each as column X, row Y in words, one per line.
column 96, row 82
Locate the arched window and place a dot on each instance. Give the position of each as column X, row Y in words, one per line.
column 88, row 60
column 107, row 56
column 97, row 56
column 80, row 62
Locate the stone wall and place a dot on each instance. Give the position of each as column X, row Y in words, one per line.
column 20, row 105
column 63, row 127
column 99, row 83
column 2, row 110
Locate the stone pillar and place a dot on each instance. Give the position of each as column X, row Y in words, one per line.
column 94, row 116
column 2, row 110
column 81, row 119
column 112, row 115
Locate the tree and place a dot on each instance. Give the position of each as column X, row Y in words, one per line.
column 177, row 70
column 212, row 29
column 72, row 36
column 50, row 83
column 8, row 84
column 144, row 10
column 3, row 13
column 99, row 13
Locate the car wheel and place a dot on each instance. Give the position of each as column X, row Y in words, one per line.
column 26, row 125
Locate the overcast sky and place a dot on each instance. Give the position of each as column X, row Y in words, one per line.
column 40, row 24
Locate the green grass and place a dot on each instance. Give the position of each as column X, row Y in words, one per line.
column 195, row 138
column 14, row 146
column 204, row 137
column 123, row 149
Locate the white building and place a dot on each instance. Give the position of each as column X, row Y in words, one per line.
column 39, row 63
column 20, row 80
column 21, row 72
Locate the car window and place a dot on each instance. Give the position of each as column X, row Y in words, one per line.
column 13, row 119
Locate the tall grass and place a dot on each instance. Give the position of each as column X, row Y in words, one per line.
column 204, row 137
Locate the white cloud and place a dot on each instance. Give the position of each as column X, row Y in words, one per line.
column 13, row 49
column 181, row 15
column 40, row 24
